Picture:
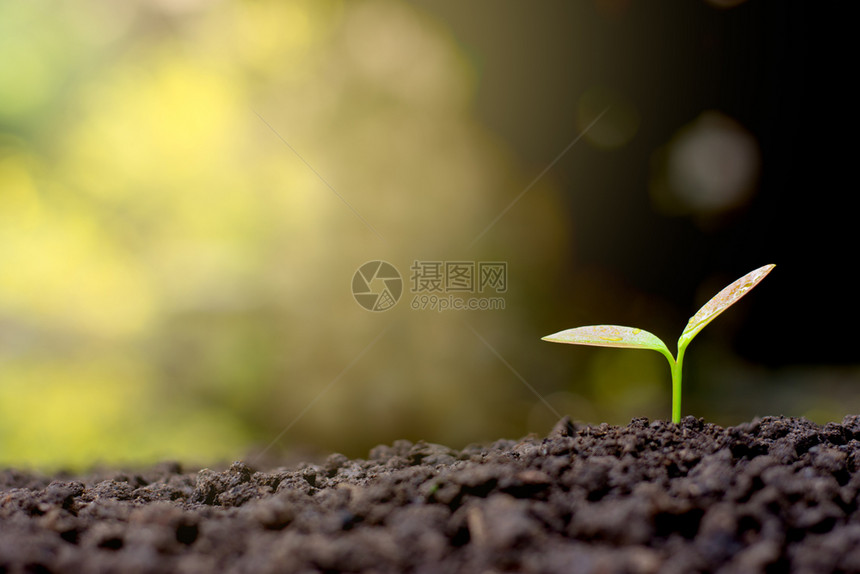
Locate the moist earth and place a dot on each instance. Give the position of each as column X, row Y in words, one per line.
column 772, row 495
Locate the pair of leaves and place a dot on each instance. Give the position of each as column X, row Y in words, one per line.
column 629, row 337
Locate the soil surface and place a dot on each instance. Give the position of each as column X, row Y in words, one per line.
column 772, row 495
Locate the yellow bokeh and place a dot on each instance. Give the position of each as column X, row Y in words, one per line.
column 57, row 269
column 78, row 413
column 191, row 186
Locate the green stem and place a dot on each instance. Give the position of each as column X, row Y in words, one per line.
column 677, row 365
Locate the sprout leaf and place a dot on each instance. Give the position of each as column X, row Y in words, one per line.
column 610, row 336
column 720, row 302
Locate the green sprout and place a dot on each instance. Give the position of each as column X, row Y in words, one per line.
column 630, row 338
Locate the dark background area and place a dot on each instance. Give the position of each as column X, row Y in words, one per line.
column 779, row 68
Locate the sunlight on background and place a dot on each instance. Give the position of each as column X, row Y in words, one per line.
column 176, row 280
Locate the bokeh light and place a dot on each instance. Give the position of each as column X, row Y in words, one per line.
column 711, row 166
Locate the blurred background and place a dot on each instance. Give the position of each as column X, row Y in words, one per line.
column 188, row 187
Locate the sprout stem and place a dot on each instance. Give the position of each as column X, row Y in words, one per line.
column 677, row 366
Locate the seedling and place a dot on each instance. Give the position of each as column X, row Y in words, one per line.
column 631, row 338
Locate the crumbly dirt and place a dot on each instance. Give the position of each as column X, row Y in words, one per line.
column 772, row 495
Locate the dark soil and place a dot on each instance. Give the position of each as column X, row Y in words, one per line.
column 772, row 495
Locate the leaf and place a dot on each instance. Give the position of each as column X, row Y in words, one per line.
column 722, row 301
column 610, row 336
